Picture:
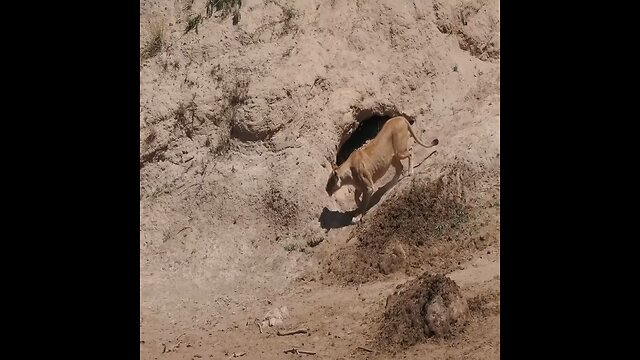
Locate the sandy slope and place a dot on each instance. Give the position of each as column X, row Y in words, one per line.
column 238, row 125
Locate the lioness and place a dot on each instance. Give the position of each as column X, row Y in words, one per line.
column 370, row 162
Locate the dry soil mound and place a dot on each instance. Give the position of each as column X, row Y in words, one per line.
column 431, row 305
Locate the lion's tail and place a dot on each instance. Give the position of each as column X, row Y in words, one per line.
column 433, row 143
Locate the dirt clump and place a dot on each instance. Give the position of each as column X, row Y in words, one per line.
column 430, row 306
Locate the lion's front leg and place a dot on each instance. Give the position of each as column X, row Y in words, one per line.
column 356, row 197
column 366, row 197
column 364, row 204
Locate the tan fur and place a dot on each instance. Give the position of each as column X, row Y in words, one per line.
column 370, row 162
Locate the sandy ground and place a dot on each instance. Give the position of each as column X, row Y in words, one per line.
column 239, row 126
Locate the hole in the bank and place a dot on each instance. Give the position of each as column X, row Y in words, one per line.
column 367, row 129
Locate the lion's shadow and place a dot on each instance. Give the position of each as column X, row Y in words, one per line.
column 331, row 219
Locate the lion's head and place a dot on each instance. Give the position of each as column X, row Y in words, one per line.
column 333, row 184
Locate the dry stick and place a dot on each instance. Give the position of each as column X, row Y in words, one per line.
column 433, row 152
column 237, row 355
column 296, row 351
column 305, row 352
column 285, row 333
column 187, row 188
column 364, row 348
column 259, row 326
column 184, row 228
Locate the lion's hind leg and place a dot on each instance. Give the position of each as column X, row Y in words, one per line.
column 397, row 165
column 407, row 154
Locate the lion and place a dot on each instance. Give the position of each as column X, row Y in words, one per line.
column 369, row 163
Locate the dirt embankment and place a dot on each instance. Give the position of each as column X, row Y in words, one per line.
column 243, row 108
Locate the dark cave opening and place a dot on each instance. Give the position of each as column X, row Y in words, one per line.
column 367, row 129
